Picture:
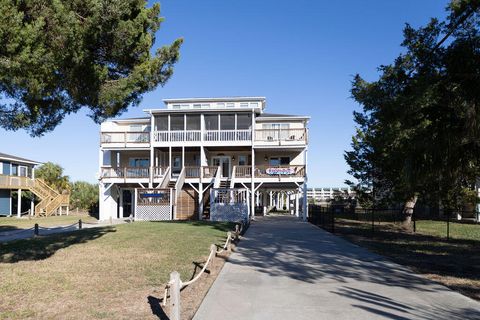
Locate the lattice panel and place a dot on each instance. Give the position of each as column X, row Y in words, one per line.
column 228, row 212
column 152, row 213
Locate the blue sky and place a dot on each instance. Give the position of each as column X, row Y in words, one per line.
column 301, row 55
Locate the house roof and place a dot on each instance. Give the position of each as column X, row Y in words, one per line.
column 9, row 157
column 214, row 99
column 270, row 116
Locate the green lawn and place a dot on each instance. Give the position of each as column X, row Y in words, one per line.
column 457, row 230
column 101, row 273
column 454, row 262
column 12, row 223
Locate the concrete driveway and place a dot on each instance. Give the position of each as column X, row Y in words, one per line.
column 287, row 269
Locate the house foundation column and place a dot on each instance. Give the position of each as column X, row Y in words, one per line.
column 200, row 201
column 19, row 203
column 296, row 204
column 120, row 205
column 32, row 207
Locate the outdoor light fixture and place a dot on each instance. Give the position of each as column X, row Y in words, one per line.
column 233, row 158
column 266, row 158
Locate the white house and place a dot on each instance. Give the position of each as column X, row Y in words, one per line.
column 203, row 158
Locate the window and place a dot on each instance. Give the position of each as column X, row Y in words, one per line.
column 138, row 162
column 176, row 122
column 279, row 161
column 161, row 123
column 254, row 104
column 244, row 121
column 227, row 122
column 211, row 122
column 197, row 106
column 176, row 106
column 244, row 104
column 230, row 104
column 14, row 170
column 193, row 122
column 206, row 105
column 242, row 160
column 220, row 105
column 23, row 171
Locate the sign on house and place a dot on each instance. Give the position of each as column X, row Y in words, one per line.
column 280, row 171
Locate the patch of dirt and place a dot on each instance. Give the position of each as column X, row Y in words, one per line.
column 191, row 296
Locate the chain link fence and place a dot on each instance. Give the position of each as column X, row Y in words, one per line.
column 448, row 224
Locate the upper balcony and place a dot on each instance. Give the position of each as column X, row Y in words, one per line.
column 281, row 137
column 126, row 139
column 208, row 137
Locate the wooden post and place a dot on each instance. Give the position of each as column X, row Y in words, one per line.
column 175, row 287
column 35, row 230
column 229, row 239
column 80, row 224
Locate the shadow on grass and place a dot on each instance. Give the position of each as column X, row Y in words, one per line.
column 45, row 246
column 222, row 226
column 156, row 307
column 8, row 228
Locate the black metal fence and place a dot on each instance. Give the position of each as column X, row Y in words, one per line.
column 331, row 218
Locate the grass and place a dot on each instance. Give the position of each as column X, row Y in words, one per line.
column 100, row 273
column 13, row 223
column 454, row 263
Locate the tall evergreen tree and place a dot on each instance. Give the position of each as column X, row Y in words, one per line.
column 418, row 134
column 59, row 56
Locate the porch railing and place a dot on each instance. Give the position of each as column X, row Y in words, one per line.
column 243, row 171
column 7, row 181
column 281, row 135
column 193, row 172
column 174, row 136
column 125, row 172
column 228, row 135
column 279, row 171
column 125, row 137
column 209, row 171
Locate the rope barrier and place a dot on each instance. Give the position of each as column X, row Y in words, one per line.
column 239, row 229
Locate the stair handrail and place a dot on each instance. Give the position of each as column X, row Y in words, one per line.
column 43, row 184
column 166, row 179
column 232, row 179
column 54, row 204
column 216, row 182
column 179, row 183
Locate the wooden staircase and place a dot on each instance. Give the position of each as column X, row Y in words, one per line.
column 225, row 184
column 51, row 200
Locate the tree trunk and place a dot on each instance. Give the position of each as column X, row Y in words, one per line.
column 408, row 210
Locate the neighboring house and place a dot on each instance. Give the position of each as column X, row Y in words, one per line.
column 203, row 158
column 325, row 195
column 17, row 174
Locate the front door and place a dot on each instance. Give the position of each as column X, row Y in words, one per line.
column 224, row 163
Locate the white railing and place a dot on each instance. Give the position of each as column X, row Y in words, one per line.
column 175, row 136
column 232, row 179
column 159, row 172
column 125, row 137
column 193, row 172
column 281, row 135
column 125, row 172
column 218, row 174
column 243, row 171
column 228, row 135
